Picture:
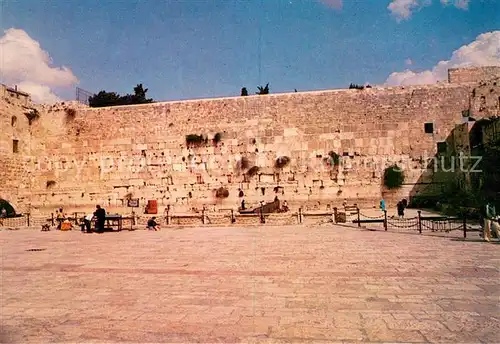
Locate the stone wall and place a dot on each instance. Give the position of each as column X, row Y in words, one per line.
column 472, row 74
column 84, row 156
column 485, row 101
column 14, row 145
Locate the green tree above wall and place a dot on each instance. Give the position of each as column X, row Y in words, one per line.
column 104, row 98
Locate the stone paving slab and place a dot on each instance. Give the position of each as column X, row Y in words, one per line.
column 290, row 284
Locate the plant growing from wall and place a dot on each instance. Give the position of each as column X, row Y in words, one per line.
column 333, row 159
column 222, row 192
column 195, row 140
column 393, row 177
column 32, row 115
column 253, row 171
column 70, row 114
column 50, row 184
column 217, row 138
column 242, row 164
column 282, row 161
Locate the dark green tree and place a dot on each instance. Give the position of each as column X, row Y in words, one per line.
column 104, row 98
column 263, row 90
column 244, row 92
column 140, row 95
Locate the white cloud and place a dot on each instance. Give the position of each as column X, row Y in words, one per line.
column 39, row 93
column 25, row 63
column 484, row 51
column 462, row 4
column 402, row 9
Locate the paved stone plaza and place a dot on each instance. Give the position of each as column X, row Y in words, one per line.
column 268, row 285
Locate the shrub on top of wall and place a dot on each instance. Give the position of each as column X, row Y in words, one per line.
column 355, row 86
column 393, row 177
column 282, row 161
column 195, row 140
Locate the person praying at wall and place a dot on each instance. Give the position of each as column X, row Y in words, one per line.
column 285, row 206
column 59, row 218
column 100, row 214
column 87, row 221
column 153, row 225
column 382, row 205
column 243, row 204
column 490, row 216
column 401, row 209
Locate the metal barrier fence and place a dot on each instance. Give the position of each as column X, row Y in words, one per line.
column 419, row 222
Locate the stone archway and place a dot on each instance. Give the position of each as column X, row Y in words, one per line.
column 4, row 204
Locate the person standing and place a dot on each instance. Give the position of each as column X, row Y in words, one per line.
column 382, row 204
column 3, row 213
column 100, row 215
column 401, row 209
column 59, row 218
column 489, row 217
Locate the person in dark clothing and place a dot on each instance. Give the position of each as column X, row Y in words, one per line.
column 100, row 215
column 401, row 209
column 152, row 224
column 243, row 205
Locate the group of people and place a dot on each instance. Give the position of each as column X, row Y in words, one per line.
column 400, row 206
column 283, row 206
column 100, row 219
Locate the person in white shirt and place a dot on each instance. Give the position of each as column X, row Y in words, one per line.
column 87, row 220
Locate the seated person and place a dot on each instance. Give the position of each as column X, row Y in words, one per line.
column 153, row 225
column 285, row 206
column 87, row 223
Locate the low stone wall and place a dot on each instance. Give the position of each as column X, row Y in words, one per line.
column 184, row 220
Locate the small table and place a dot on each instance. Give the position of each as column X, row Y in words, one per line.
column 114, row 221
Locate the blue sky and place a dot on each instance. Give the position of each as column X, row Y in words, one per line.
column 197, row 49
